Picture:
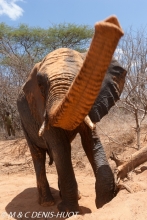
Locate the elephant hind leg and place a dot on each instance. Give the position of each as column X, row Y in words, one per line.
column 45, row 196
column 39, row 156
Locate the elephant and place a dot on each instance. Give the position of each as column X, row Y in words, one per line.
column 61, row 91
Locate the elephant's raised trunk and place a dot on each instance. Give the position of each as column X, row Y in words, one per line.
column 71, row 111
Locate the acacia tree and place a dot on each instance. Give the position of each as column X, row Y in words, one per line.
column 132, row 52
column 72, row 36
column 22, row 47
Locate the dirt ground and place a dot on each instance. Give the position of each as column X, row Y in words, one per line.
column 18, row 192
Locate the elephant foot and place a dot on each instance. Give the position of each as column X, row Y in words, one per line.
column 46, row 201
column 105, row 186
column 47, row 204
column 103, row 199
column 67, row 208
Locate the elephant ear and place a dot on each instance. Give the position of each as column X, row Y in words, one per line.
column 110, row 91
column 33, row 94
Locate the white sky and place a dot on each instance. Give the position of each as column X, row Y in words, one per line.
column 11, row 9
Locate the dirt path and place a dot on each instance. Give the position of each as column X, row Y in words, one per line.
column 18, row 193
column 18, row 197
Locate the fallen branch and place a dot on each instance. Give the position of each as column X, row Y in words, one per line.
column 124, row 186
column 123, row 168
column 135, row 160
column 10, row 164
column 116, row 159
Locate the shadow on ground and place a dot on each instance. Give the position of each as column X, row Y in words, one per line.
column 25, row 206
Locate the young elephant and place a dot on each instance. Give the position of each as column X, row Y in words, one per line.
column 53, row 103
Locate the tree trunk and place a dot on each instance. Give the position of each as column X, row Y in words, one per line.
column 138, row 137
column 136, row 159
column 137, row 128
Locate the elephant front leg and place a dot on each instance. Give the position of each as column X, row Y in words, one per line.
column 78, row 192
column 61, row 150
column 104, row 185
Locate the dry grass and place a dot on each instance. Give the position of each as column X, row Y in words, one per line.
column 117, row 133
